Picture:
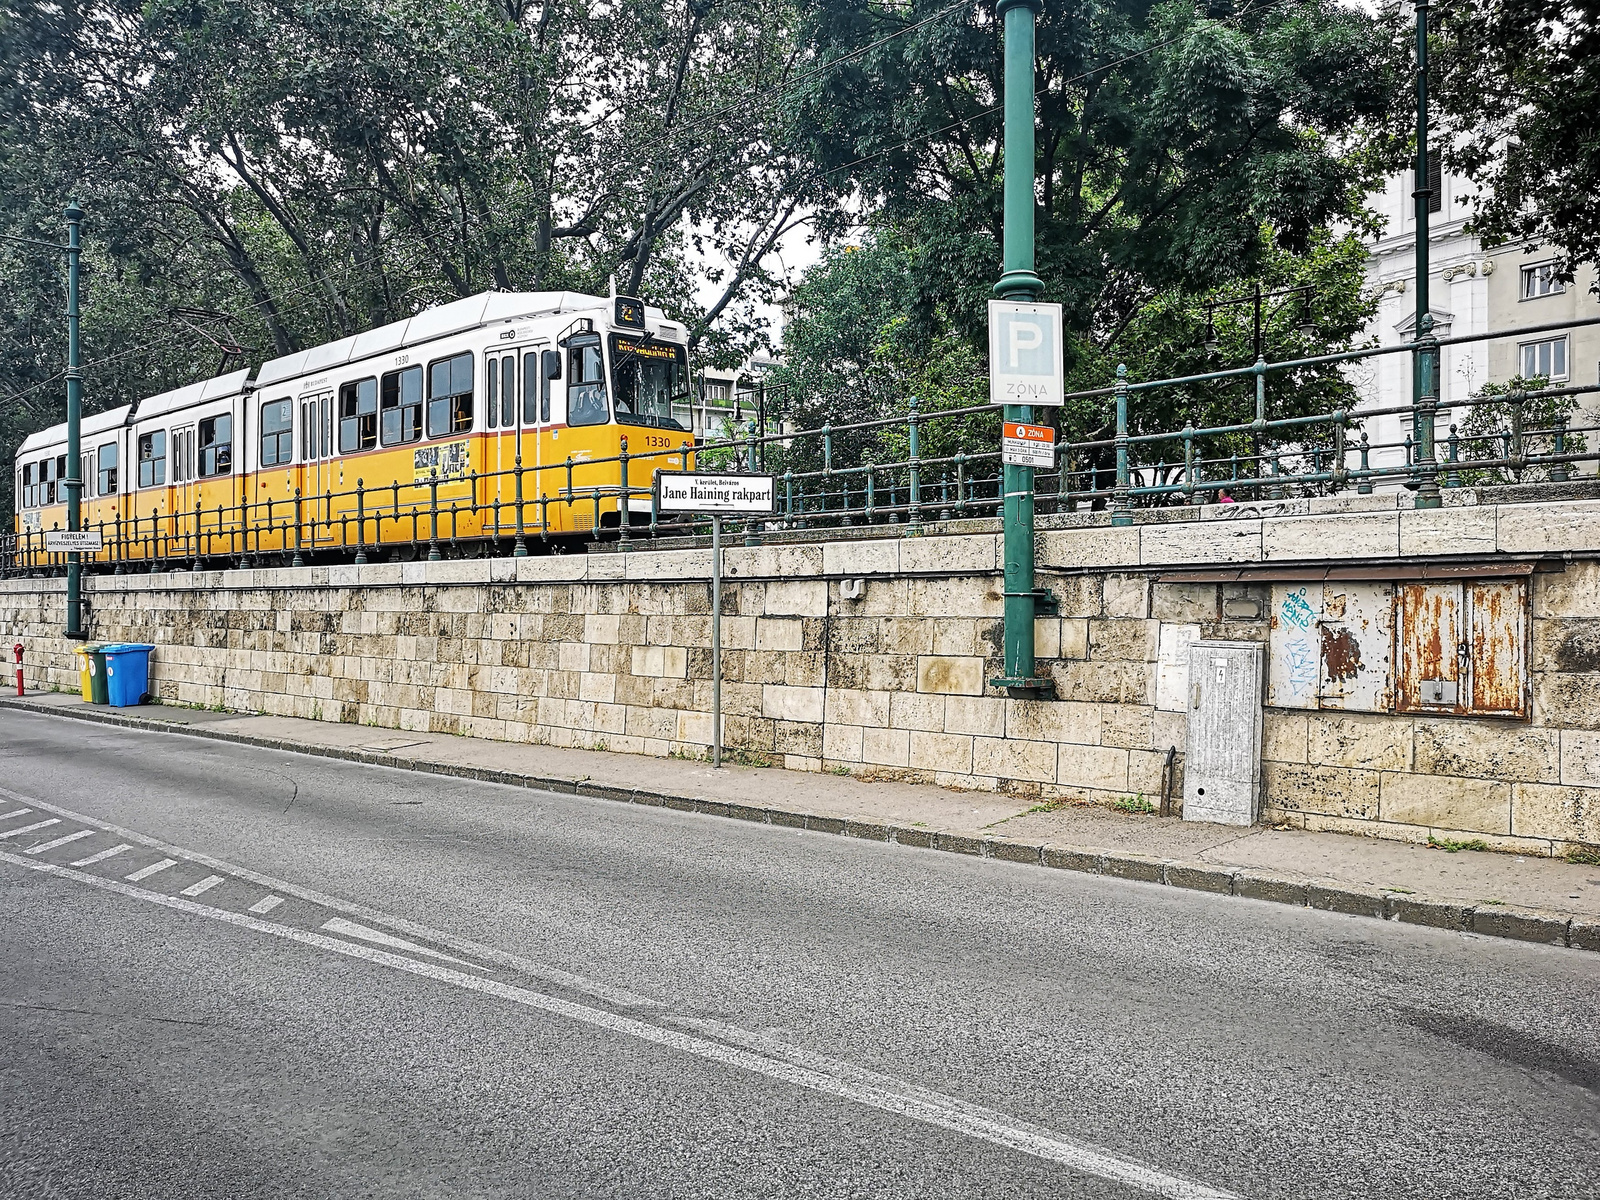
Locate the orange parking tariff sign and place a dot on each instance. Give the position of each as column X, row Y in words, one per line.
column 1027, row 445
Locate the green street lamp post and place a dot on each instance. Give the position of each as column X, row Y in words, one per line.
column 1425, row 358
column 1019, row 282
column 74, row 480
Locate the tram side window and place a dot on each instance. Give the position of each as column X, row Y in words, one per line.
column 107, row 470
column 450, row 395
column 277, row 433
column 153, row 458
column 508, row 390
column 216, row 445
column 30, row 495
column 401, row 401
column 586, row 384
column 358, row 416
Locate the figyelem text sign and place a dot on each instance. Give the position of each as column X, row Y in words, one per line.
column 1025, row 353
column 1027, row 445
column 701, row 492
column 73, row 539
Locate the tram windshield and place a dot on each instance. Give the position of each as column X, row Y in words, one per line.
column 650, row 377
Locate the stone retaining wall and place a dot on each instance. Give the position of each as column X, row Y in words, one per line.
column 610, row 650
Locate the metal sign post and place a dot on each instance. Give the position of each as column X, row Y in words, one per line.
column 714, row 496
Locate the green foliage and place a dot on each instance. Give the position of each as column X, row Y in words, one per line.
column 1519, row 85
column 311, row 170
column 1452, row 846
column 1522, row 424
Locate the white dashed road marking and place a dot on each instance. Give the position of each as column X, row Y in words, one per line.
column 22, row 829
column 15, row 813
column 146, row 872
column 102, row 856
column 197, row 889
column 265, row 905
column 780, row 1063
column 351, row 929
column 60, row 841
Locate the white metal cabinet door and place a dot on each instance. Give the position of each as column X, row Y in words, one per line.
column 1356, row 639
column 1222, row 762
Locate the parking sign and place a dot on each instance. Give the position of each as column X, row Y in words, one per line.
column 1025, row 353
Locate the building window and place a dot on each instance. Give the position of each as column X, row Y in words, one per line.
column 358, row 416
column 277, row 433
column 216, row 445
column 107, row 480
column 450, row 395
column 402, row 406
column 1546, row 359
column 1435, row 181
column 153, row 458
column 1540, row 280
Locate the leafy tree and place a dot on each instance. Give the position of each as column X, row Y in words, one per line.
column 1519, row 86
column 1523, row 423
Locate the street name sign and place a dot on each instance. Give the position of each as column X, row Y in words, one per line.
column 1025, row 353
column 702, row 492
column 1027, row 445
column 73, row 539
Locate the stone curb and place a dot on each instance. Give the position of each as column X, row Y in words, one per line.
column 1487, row 920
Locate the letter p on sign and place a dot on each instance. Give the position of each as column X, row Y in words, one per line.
column 1025, row 353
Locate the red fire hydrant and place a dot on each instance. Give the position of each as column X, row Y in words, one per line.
column 17, row 650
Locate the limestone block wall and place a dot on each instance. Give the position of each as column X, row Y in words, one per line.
column 889, row 679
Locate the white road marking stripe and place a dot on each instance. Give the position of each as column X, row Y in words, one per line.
column 19, row 812
column 102, row 856
column 146, row 872
column 22, row 829
column 918, row 1104
column 205, row 885
column 60, row 841
column 351, row 929
column 265, row 905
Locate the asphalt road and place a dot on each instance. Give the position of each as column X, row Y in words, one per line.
column 404, row 985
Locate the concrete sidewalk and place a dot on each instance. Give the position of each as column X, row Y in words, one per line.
column 1490, row 894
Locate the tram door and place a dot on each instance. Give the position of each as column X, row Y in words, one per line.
column 182, row 491
column 503, row 419
column 316, row 476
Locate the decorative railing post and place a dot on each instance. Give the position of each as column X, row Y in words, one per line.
column 1452, row 477
column 361, row 523
column 199, row 523
column 1559, row 472
column 624, row 515
column 520, row 547
column 915, row 499
column 433, row 516
column 299, row 558
column 1121, row 497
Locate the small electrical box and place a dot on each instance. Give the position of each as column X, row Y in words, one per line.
column 1222, row 763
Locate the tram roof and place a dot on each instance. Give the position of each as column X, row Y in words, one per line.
column 483, row 309
column 194, row 393
column 56, row 435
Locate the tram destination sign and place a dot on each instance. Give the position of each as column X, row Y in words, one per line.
column 73, row 539
column 1025, row 353
column 704, row 492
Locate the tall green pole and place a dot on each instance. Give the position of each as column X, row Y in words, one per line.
column 1425, row 358
column 74, row 480
column 1018, row 282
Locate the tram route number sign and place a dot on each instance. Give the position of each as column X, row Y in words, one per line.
column 704, row 492
column 1027, row 445
column 1025, row 353
column 73, row 539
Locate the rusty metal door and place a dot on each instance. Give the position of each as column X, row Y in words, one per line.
column 1429, row 649
column 1497, row 621
column 1462, row 648
column 1356, row 639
